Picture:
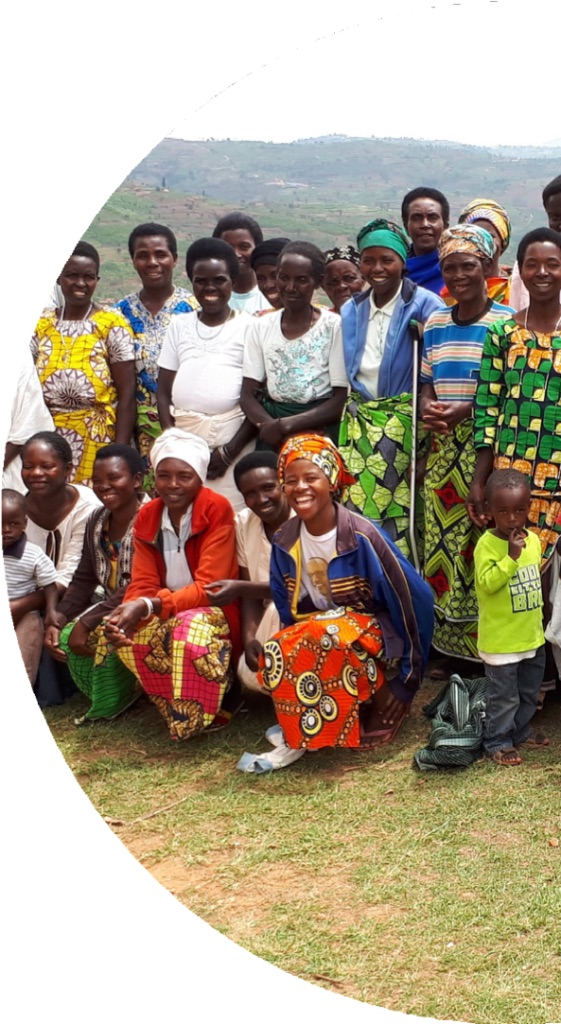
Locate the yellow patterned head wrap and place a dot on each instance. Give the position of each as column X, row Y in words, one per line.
column 320, row 450
column 488, row 209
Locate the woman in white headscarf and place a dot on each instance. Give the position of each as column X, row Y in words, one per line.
column 167, row 631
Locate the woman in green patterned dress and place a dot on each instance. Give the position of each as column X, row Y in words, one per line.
column 380, row 331
column 517, row 407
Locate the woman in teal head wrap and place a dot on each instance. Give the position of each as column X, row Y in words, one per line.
column 380, row 330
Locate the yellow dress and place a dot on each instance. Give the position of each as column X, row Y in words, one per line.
column 73, row 359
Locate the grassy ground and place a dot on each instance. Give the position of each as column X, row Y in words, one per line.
column 436, row 894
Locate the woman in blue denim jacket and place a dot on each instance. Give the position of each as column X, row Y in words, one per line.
column 381, row 328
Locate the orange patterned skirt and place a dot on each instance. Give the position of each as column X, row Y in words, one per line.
column 318, row 673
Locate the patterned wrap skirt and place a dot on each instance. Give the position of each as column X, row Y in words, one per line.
column 318, row 673
column 376, row 442
column 102, row 678
column 450, row 539
column 183, row 664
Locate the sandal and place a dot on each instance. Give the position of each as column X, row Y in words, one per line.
column 537, row 740
column 508, row 757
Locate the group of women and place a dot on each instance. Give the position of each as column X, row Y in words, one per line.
column 386, row 413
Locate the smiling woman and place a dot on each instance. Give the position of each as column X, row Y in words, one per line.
column 74, row 631
column 380, row 335
column 153, row 251
column 200, row 378
column 294, row 373
column 184, row 541
column 84, row 356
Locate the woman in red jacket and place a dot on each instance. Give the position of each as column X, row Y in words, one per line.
column 166, row 631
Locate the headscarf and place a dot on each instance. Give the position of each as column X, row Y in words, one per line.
column 268, row 252
column 320, row 450
column 386, row 233
column 344, row 252
column 466, row 238
column 488, row 209
column 180, row 444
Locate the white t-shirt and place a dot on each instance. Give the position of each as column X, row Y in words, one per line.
column 64, row 543
column 379, row 319
column 317, row 553
column 302, row 370
column 250, row 302
column 208, row 362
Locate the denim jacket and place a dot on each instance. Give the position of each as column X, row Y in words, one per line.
column 396, row 376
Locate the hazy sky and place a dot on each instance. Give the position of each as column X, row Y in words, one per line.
column 423, row 70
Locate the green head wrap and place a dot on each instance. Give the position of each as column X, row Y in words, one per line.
column 385, row 233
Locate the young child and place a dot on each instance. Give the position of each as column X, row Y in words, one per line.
column 511, row 639
column 27, row 570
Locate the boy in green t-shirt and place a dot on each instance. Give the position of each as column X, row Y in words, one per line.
column 511, row 641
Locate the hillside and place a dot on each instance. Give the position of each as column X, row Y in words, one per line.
column 320, row 189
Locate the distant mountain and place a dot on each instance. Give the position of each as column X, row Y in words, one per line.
column 322, row 189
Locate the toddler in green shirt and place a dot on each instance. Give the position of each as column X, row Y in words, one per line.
column 511, row 640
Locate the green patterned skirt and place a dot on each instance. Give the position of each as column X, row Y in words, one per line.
column 450, row 539
column 376, row 442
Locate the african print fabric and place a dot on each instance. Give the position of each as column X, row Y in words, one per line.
column 183, row 665
column 450, row 539
column 149, row 331
column 73, row 359
column 103, row 678
column 517, row 412
column 376, row 442
column 318, row 673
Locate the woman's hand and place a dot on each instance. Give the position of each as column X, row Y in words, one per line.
column 272, row 432
column 78, row 640
column 223, row 592
column 253, row 651
column 442, row 417
column 121, row 624
column 475, row 504
column 51, row 641
column 393, row 709
column 216, row 467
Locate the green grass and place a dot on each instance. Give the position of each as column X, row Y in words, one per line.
column 436, row 894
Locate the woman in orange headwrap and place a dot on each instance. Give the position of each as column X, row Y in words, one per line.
column 358, row 619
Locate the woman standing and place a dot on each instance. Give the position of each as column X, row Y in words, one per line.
column 57, row 513
column 342, row 275
column 74, row 633
column 184, row 540
column 517, row 409
column 264, row 260
column 380, row 332
column 486, row 213
column 149, row 312
column 201, row 362
column 84, row 356
column 293, row 374
column 350, row 604
column 453, row 343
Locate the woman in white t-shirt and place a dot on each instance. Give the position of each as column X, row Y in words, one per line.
column 294, row 377
column 201, row 363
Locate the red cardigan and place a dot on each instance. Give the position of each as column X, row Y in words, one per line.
column 210, row 551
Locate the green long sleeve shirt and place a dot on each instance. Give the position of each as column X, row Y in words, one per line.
column 509, row 594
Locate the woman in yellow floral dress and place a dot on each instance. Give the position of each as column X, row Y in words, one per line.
column 84, row 356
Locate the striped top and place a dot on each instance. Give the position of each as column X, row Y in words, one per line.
column 452, row 352
column 27, row 568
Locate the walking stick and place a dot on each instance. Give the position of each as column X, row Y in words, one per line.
column 416, row 330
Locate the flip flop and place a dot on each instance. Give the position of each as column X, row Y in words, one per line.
column 508, row 758
column 537, row 740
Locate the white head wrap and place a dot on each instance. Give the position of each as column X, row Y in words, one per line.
column 180, row 444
